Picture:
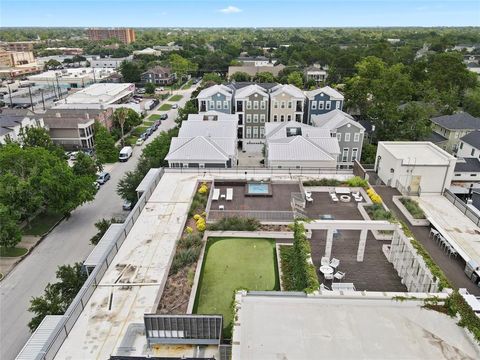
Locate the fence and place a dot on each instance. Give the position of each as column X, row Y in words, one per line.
column 253, row 170
column 260, row 215
column 455, row 200
column 56, row 340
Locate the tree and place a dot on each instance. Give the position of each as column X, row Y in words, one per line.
column 131, row 71
column 471, row 102
column 126, row 187
column 264, row 77
column 58, row 296
column 52, row 64
column 150, row 88
column 121, row 117
column 102, row 226
column 189, row 108
column 181, row 66
column 85, row 166
column 104, row 145
column 212, row 78
column 10, row 234
column 31, row 136
column 295, row 78
column 369, row 151
column 240, row 77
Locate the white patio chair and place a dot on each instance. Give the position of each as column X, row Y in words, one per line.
column 334, row 263
column 221, row 207
column 433, row 233
column 328, row 276
column 339, row 275
column 309, row 198
column 325, row 261
column 356, row 193
column 216, row 194
column 229, row 194
column 334, row 197
column 358, row 198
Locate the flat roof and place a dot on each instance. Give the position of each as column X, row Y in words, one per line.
column 417, row 152
column 300, row 327
column 105, row 243
column 459, row 230
column 71, row 74
column 104, row 93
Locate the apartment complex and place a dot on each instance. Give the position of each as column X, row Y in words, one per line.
column 125, row 35
column 17, row 63
column 322, row 101
column 216, row 98
column 18, row 45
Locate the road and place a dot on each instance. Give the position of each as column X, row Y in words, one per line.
column 66, row 244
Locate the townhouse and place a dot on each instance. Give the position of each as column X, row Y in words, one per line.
column 287, row 103
column 322, row 101
column 216, row 98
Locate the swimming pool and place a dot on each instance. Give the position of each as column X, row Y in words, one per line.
column 258, row 189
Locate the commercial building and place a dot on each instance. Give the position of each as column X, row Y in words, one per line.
column 11, row 124
column 66, row 50
column 70, row 78
column 15, row 64
column 159, row 75
column 124, row 35
column 295, row 145
column 205, row 141
column 34, row 95
column 110, row 63
column 101, row 93
column 147, row 51
column 414, row 167
column 18, row 45
column 256, row 61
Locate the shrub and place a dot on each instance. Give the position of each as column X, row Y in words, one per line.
column 183, row 258
column 188, row 230
column 357, row 181
column 455, row 303
column 413, row 208
column 322, row 182
column 201, row 226
column 235, row 223
column 376, row 199
column 377, row 212
column 196, row 217
column 203, row 188
column 199, row 202
column 190, row 240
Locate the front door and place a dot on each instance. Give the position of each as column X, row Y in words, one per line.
column 415, row 184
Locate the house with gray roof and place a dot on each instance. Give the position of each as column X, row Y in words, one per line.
column 346, row 130
column 469, row 145
column 210, row 142
column 297, row 145
column 216, row 98
column 453, row 127
column 12, row 124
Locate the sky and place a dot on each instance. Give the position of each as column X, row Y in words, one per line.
column 240, row 13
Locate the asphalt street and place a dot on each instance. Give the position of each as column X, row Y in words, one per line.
column 66, row 244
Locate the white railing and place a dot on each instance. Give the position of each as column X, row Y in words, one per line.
column 460, row 205
column 260, row 215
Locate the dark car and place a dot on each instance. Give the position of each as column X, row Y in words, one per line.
column 127, row 205
column 88, row 152
column 103, row 178
column 144, row 136
column 149, row 131
column 157, row 123
column 164, row 117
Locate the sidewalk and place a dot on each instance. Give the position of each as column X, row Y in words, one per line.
column 8, row 263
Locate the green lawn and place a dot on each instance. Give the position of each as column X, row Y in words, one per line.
column 230, row 264
column 12, row 252
column 42, row 223
column 139, row 130
column 153, row 117
column 165, row 107
column 176, row 98
column 131, row 140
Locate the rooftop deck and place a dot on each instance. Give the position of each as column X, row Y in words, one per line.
column 323, row 205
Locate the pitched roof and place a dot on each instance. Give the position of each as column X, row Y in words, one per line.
column 334, row 94
column 458, row 121
column 158, row 70
column 334, row 119
column 200, row 148
column 435, row 137
column 296, row 148
column 209, row 129
column 472, row 139
column 289, row 89
column 467, row 165
column 241, row 84
column 212, row 90
column 279, row 130
column 249, row 90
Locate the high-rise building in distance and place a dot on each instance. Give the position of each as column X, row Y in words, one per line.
column 125, row 35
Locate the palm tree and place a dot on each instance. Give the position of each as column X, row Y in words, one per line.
column 121, row 117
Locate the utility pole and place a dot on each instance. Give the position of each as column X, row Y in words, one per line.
column 10, row 95
column 58, row 86
column 43, row 99
column 31, row 100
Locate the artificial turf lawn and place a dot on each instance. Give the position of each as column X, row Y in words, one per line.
column 175, row 97
column 234, row 263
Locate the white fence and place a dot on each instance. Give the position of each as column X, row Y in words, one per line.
column 462, row 206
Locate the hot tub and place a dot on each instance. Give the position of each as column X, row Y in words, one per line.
column 258, row 189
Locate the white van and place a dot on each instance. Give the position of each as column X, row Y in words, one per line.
column 125, row 153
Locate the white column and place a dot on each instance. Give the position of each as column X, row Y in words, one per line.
column 361, row 245
column 328, row 245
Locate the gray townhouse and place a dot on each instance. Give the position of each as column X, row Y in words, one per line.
column 348, row 132
column 216, row 98
column 322, row 101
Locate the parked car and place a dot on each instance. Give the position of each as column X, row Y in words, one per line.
column 144, row 136
column 174, row 106
column 149, row 131
column 103, row 177
column 73, row 155
column 164, row 117
column 157, row 124
column 141, row 91
column 88, row 152
column 97, row 185
column 139, row 142
column 127, row 205
column 125, row 153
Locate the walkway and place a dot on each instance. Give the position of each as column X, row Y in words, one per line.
column 453, row 268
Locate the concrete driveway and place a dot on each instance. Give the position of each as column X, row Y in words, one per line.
column 66, row 244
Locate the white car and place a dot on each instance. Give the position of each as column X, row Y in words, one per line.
column 174, row 106
column 139, row 142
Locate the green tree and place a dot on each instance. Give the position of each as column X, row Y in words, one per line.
column 86, row 166
column 471, row 102
column 10, row 234
column 131, row 71
column 58, row 296
column 127, row 185
column 212, row 78
column 181, row 66
column 264, row 77
column 189, row 108
column 150, row 88
column 52, row 64
column 295, row 78
column 104, row 145
column 38, row 137
column 240, row 77
column 369, row 151
column 102, row 226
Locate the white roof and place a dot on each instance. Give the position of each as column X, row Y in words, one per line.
column 212, row 116
column 275, row 130
column 289, row 89
column 249, row 90
column 212, row 90
column 200, row 148
column 210, row 129
column 300, row 327
column 417, row 152
column 334, row 94
column 104, row 245
column 334, row 119
column 74, row 74
column 298, row 148
column 105, row 93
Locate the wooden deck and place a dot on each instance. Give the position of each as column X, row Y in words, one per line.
column 323, row 205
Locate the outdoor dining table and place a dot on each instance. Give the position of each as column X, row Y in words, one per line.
column 326, row 269
column 342, row 190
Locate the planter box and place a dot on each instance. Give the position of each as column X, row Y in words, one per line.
column 406, row 213
column 376, row 234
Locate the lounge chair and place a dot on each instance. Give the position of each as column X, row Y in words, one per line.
column 229, row 194
column 334, row 263
column 334, row 197
column 339, row 275
column 216, row 194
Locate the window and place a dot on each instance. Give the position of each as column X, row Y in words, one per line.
column 289, row 117
column 201, row 166
column 328, row 105
column 461, row 145
column 282, row 118
column 275, row 118
column 212, row 104
column 263, row 105
column 314, row 105
column 225, row 104
column 337, row 104
column 347, row 137
column 262, row 132
column 249, row 132
column 219, row 104
column 282, row 105
column 473, row 152
column 345, row 155
column 249, row 104
column 262, row 118
column 320, row 105
column 289, row 104
column 354, row 153
column 275, row 104
column 339, row 137
column 255, row 132
column 249, row 118
column 255, row 105
column 185, row 165
column 255, row 118
column 356, row 137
